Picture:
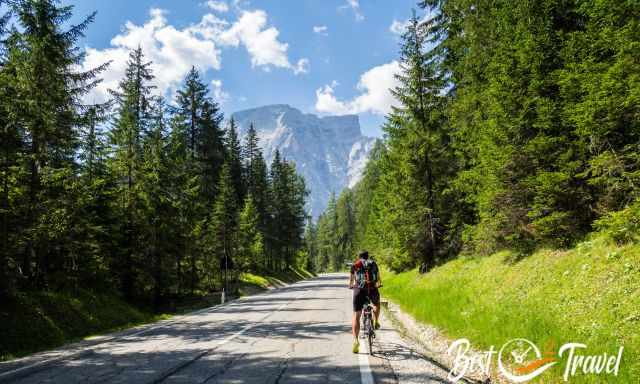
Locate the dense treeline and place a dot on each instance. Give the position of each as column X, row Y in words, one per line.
column 518, row 127
column 149, row 198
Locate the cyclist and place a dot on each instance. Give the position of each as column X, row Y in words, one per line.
column 364, row 280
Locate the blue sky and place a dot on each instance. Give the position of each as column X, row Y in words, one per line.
column 321, row 56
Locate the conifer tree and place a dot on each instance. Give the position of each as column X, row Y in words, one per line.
column 234, row 159
column 250, row 239
column 223, row 227
column 46, row 109
column 420, row 157
column 133, row 100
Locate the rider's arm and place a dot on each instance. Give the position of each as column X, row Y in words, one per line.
column 351, row 280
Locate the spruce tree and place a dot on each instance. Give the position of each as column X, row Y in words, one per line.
column 46, row 110
column 223, row 227
column 133, row 100
column 250, row 239
column 157, row 209
column 234, row 160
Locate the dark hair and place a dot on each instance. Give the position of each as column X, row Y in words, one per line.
column 364, row 255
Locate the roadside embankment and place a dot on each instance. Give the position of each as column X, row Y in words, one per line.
column 589, row 294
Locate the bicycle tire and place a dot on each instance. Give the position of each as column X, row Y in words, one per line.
column 370, row 335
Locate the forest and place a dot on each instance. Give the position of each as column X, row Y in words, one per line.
column 141, row 196
column 517, row 128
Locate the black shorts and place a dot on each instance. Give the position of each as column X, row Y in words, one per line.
column 362, row 295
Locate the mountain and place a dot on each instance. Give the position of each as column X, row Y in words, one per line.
column 330, row 152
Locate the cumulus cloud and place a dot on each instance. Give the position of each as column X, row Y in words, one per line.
column 302, row 66
column 173, row 51
column 251, row 30
column 260, row 41
column 354, row 5
column 321, row 30
column 218, row 6
column 375, row 95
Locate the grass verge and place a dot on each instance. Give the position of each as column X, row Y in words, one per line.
column 31, row 322
column 251, row 283
column 589, row 294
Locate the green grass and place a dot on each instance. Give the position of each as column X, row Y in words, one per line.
column 590, row 294
column 41, row 320
column 251, row 283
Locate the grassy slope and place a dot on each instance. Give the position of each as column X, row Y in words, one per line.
column 251, row 283
column 39, row 321
column 590, row 294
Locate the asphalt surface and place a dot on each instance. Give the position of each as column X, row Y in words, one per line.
column 297, row 334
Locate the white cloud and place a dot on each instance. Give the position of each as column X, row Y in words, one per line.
column 172, row 52
column 374, row 97
column 355, row 6
column 302, row 66
column 398, row 27
column 219, row 95
column 218, row 6
column 252, row 32
column 321, row 30
column 262, row 44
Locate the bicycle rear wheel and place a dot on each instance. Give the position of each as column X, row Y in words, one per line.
column 370, row 335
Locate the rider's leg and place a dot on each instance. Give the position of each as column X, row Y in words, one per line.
column 355, row 324
column 375, row 301
column 355, row 328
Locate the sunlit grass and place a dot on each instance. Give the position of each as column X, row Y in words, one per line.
column 590, row 294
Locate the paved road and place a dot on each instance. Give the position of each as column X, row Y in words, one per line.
column 297, row 334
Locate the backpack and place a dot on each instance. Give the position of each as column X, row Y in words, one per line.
column 366, row 272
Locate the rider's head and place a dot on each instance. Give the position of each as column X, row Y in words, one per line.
column 364, row 254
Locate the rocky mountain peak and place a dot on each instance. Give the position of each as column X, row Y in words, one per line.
column 329, row 151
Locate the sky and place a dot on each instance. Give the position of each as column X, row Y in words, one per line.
column 327, row 57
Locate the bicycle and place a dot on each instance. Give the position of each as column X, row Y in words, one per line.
column 367, row 328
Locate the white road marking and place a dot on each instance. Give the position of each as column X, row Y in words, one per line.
column 365, row 369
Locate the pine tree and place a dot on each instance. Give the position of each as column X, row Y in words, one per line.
column 345, row 227
column 185, row 192
column 234, row 159
column 46, row 110
column 212, row 151
column 256, row 178
column 157, row 208
column 419, row 156
column 93, row 204
column 250, row 240
column 223, row 227
column 197, row 118
column 133, row 101
column 311, row 262
column 250, row 152
column 202, row 118
column 11, row 145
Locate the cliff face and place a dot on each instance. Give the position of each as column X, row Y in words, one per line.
column 330, row 152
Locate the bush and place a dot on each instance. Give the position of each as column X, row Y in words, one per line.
column 622, row 226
